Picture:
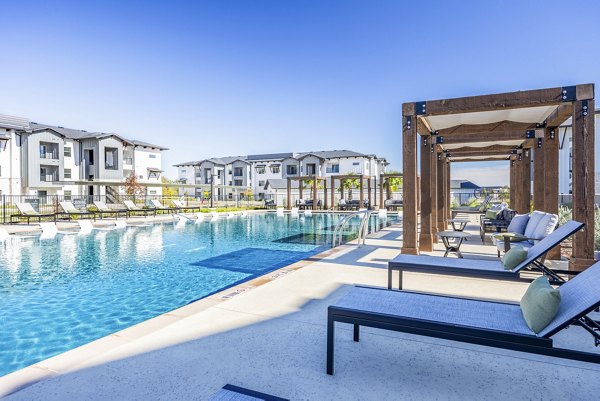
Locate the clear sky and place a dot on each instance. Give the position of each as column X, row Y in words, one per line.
column 218, row 78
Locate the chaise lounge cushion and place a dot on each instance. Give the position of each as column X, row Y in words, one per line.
column 518, row 224
column 514, row 257
column 534, row 219
column 540, row 304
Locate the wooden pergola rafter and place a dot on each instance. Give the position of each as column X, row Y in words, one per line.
column 361, row 180
column 383, row 183
column 516, row 127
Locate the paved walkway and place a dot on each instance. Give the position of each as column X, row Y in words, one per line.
column 271, row 339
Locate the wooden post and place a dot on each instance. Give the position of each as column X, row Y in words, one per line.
column 513, row 183
column 315, row 195
column 300, row 187
column 447, row 188
column 409, row 187
column 369, row 197
column 441, row 205
column 551, row 146
column 583, row 183
column 362, row 195
column 433, row 192
column 539, row 175
column 526, row 180
column 425, row 237
column 325, row 203
column 333, row 193
column 289, row 193
column 381, row 184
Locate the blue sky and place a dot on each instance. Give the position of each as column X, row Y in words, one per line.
column 220, row 78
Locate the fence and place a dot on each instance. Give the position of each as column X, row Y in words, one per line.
column 280, row 197
column 50, row 204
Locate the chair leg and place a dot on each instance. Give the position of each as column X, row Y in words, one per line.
column 356, row 332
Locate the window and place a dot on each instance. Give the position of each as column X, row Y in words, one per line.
column 311, row 169
column 291, row 169
column 238, row 171
column 152, row 192
column 356, row 164
column 153, row 174
column 152, row 156
column 183, row 171
column 237, row 183
column 334, row 168
column 67, row 195
column 260, row 169
column 275, row 169
column 67, row 151
column 261, row 184
column 111, row 159
column 67, row 173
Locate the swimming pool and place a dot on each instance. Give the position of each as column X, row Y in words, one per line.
column 57, row 294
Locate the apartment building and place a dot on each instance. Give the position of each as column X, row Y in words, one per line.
column 253, row 172
column 54, row 160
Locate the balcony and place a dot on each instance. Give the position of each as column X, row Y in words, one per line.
column 128, row 163
column 49, row 177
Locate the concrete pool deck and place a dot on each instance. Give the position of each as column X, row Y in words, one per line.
column 269, row 335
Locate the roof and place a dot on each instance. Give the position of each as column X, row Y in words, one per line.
column 463, row 184
column 332, row 154
column 148, row 145
column 269, row 156
column 194, row 163
column 12, row 122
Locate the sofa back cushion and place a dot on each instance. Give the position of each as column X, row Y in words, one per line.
column 518, row 224
column 534, row 219
column 546, row 225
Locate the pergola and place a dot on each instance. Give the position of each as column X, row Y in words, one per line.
column 315, row 183
column 361, row 179
column 383, row 180
column 514, row 127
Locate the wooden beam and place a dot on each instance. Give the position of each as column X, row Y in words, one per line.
column 493, row 149
column 425, row 237
column 433, row 192
column 498, row 101
column 539, row 175
column 583, row 183
column 526, row 181
column 471, row 160
column 441, row 205
column 551, row 146
column 483, row 137
column 409, row 187
column 362, row 195
column 497, row 128
column 560, row 115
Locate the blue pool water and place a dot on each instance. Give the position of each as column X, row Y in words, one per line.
column 57, row 294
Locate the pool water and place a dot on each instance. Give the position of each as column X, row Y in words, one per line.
column 57, row 294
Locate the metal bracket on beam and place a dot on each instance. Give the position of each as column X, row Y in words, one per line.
column 539, row 143
column 424, row 141
column 530, row 134
column 432, row 147
column 584, row 107
column 569, row 93
column 439, row 139
column 540, row 125
column 420, row 108
column 408, row 122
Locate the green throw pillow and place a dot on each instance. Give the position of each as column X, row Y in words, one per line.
column 492, row 214
column 514, row 257
column 513, row 237
column 540, row 304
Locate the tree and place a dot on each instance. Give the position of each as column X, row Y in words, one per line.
column 132, row 186
column 395, row 183
column 169, row 191
column 349, row 184
column 310, row 184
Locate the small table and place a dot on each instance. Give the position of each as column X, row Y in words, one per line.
column 458, row 235
column 462, row 224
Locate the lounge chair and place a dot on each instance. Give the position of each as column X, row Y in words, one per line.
column 182, row 207
column 26, row 211
column 342, row 205
column 70, row 210
column 156, row 205
column 493, row 324
column 472, row 210
column 214, row 215
column 103, row 209
column 133, row 209
column 487, row 269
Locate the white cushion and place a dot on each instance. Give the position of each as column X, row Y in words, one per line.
column 518, row 224
column 534, row 219
column 545, row 226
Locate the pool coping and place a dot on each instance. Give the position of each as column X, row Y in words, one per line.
column 74, row 358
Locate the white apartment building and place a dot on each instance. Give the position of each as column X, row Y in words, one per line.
column 565, row 159
column 253, row 172
column 39, row 159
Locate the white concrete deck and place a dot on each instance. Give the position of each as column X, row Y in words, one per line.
column 271, row 338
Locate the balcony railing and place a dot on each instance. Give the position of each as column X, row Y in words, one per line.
column 48, row 177
column 49, row 155
column 128, row 161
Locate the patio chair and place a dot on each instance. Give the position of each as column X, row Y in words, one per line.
column 270, row 203
column 158, row 206
column 103, row 209
column 472, row 210
column 497, row 225
column 182, row 207
column 342, row 205
column 489, row 323
column 70, row 210
column 133, row 209
column 487, row 269
column 26, row 211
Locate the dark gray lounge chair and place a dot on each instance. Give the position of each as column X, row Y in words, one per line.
column 494, row 324
column 492, row 269
column 472, row 210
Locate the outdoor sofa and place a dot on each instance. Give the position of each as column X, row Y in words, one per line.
column 487, row 269
column 393, row 204
column 526, row 230
column 489, row 323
